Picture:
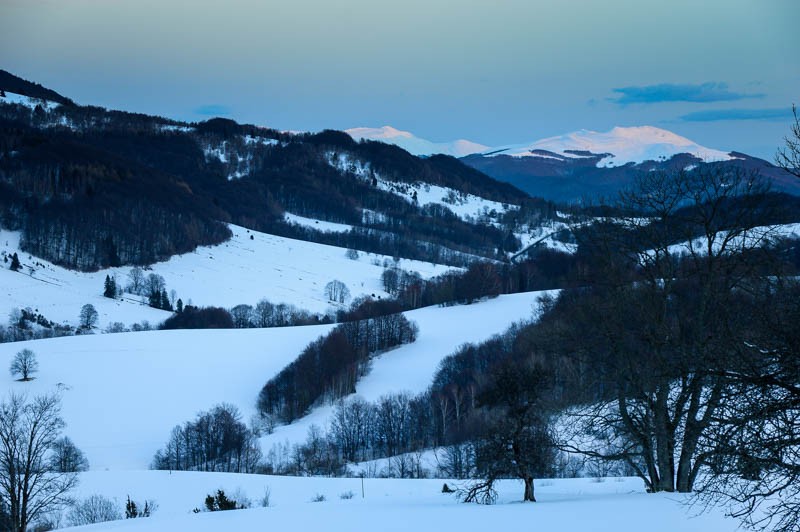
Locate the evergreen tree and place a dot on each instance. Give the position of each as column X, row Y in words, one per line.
column 165, row 304
column 179, row 305
column 131, row 512
column 110, row 289
column 15, row 265
column 154, row 299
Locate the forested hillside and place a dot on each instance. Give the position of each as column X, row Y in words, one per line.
column 91, row 188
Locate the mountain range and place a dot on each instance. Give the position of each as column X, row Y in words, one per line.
column 584, row 165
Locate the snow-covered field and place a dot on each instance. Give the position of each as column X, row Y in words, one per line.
column 613, row 505
column 410, row 368
column 123, row 393
column 241, row 270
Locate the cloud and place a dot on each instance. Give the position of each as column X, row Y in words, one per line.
column 213, row 110
column 780, row 113
column 672, row 92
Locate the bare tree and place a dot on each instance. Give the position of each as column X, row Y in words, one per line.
column 88, row 316
column 28, row 430
column 93, row 509
column 788, row 157
column 135, row 281
column 516, row 441
column 24, row 364
column 67, row 458
column 337, row 291
column 665, row 319
column 243, row 316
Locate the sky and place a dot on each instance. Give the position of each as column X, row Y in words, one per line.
column 723, row 73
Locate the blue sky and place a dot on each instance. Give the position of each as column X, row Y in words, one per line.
column 721, row 72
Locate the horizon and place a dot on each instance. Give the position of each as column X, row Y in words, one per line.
column 722, row 74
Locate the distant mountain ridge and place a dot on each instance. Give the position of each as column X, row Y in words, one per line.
column 586, row 165
column 415, row 145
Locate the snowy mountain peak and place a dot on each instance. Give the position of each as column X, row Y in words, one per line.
column 621, row 145
column 416, row 145
column 378, row 133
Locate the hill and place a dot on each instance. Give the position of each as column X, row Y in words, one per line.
column 90, row 188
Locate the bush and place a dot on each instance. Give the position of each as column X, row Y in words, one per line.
column 94, row 509
column 219, row 502
column 318, row 498
column 199, row 318
column 133, row 510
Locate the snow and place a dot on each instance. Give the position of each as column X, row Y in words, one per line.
column 415, row 145
column 176, row 128
column 238, row 271
column 622, row 144
column 249, row 139
column 58, row 293
column 608, row 505
column 466, row 206
column 29, row 102
column 411, row 367
column 319, row 225
column 547, row 235
column 123, row 393
column 755, row 237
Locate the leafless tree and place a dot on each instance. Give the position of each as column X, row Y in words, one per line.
column 665, row 320
column 93, row 509
column 516, row 440
column 67, row 458
column 788, row 157
column 135, row 281
column 28, row 430
column 88, row 316
column 337, row 291
column 24, row 364
column 242, row 316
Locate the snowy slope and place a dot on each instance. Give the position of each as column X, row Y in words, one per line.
column 415, row 145
column 622, row 144
column 27, row 101
column 468, row 207
column 241, row 270
column 123, row 393
column 410, row 368
column 613, row 505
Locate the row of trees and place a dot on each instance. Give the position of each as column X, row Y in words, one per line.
column 330, row 366
column 217, row 440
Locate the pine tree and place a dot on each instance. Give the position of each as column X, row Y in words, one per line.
column 110, row 289
column 165, row 304
column 155, row 299
column 131, row 512
column 15, row 265
column 179, row 305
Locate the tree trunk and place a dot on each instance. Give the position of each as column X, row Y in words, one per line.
column 529, row 490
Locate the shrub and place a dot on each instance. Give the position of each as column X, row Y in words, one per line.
column 94, row 509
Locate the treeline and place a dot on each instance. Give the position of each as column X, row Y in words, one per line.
column 11, row 83
column 330, row 366
column 217, row 440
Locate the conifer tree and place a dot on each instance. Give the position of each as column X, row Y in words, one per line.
column 110, row 289
column 15, row 264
